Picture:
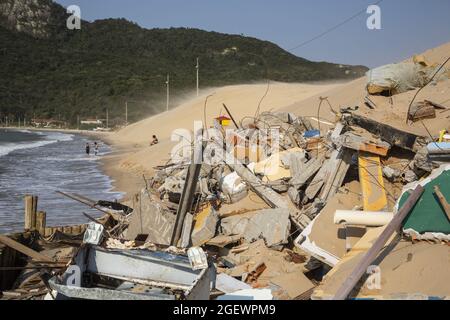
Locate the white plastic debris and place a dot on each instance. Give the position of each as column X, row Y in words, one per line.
column 197, row 258
column 228, row 284
column 248, row 294
column 93, row 234
column 233, row 187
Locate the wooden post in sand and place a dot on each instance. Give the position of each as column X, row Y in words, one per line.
column 30, row 212
column 41, row 222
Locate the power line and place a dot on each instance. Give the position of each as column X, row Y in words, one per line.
column 333, row 28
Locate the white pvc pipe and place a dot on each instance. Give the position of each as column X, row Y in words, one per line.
column 363, row 218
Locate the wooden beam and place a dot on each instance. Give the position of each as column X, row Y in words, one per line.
column 359, row 143
column 339, row 164
column 445, row 205
column 393, row 136
column 30, row 212
column 309, row 169
column 24, row 250
column 41, row 221
column 190, row 186
column 395, row 224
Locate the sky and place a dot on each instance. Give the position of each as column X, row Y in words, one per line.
column 407, row 26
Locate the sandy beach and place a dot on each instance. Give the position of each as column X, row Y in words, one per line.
column 133, row 157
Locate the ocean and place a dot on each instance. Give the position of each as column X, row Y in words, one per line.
column 41, row 163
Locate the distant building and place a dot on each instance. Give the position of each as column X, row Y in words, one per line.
column 48, row 123
column 92, row 122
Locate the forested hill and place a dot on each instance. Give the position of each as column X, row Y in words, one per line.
column 47, row 70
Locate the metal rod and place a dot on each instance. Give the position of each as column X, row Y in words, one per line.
column 361, row 268
column 229, row 113
column 84, row 201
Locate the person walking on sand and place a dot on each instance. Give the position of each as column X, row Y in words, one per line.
column 154, row 141
column 88, row 149
column 96, row 148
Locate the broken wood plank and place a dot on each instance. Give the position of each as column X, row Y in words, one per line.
column 369, row 103
column 24, row 250
column 88, row 202
column 338, row 167
column 357, row 142
column 372, row 182
column 30, row 212
column 393, row 136
column 436, row 105
column 337, row 132
column 445, row 205
column 308, row 170
column 41, row 221
column 395, row 224
column 318, row 181
column 421, row 110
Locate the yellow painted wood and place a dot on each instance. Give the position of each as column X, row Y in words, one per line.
column 372, row 183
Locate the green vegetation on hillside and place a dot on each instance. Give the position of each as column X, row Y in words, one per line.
column 107, row 62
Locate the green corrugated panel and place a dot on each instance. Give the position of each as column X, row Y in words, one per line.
column 428, row 215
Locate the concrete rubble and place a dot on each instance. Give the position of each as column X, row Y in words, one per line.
column 289, row 223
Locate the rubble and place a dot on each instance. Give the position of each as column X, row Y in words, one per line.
column 204, row 227
column 272, row 225
column 297, row 216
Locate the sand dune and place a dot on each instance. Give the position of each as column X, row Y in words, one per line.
column 242, row 100
column 137, row 157
column 393, row 112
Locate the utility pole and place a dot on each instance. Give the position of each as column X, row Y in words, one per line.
column 168, row 91
column 107, row 119
column 197, row 67
column 126, row 113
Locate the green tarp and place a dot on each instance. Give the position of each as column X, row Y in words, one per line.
column 428, row 215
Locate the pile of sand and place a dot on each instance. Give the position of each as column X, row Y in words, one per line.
column 136, row 157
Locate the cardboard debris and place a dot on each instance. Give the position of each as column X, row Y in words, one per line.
column 295, row 284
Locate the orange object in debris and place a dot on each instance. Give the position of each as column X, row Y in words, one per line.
column 223, row 121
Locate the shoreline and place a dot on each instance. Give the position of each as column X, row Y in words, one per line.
column 122, row 180
column 129, row 183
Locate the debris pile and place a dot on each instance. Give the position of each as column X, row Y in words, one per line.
column 279, row 209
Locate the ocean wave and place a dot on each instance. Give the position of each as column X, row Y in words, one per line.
column 22, row 130
column 50, row 138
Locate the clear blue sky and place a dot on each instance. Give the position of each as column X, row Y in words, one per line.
column 408, row 26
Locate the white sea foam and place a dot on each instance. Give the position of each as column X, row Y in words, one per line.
column 53, row 137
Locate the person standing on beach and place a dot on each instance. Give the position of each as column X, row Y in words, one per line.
column 96, row 148
column 88, row 149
